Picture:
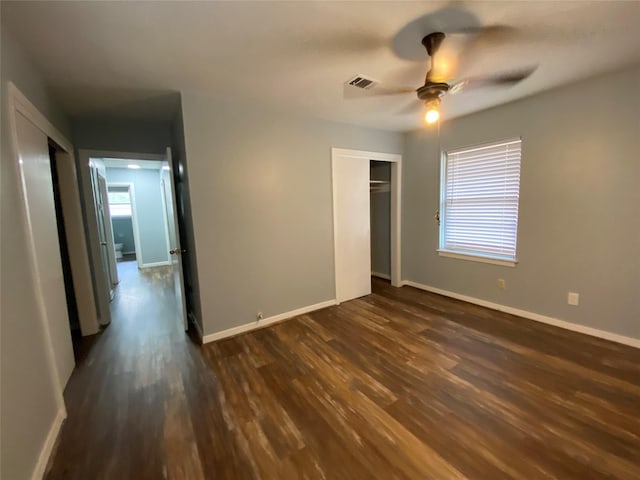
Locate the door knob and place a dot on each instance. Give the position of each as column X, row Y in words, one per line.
column 104, row 244
column 177, row 251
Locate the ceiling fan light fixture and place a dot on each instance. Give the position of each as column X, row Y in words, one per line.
column 432, row 115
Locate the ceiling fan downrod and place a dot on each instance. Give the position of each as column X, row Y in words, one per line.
column 431, row 92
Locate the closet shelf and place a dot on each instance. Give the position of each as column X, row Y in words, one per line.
column 379, row 186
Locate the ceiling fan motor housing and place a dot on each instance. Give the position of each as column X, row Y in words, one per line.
column 432, row 91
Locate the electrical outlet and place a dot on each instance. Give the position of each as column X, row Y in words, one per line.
column 258, row 316
column 502, row 284
column 573, row 298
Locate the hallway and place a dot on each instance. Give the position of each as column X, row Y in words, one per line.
column 126, row 393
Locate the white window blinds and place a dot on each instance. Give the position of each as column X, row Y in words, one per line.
column 480, row 192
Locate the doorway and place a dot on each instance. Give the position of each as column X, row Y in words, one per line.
column 137, row 250
column 63, row 241
column 124, row 226
column 380, row 206
column 352, row 189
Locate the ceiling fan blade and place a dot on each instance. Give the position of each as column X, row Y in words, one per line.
column 501, row 79
column 411, row 108
column 350, row 92
column 407, row 73
column 491, row 33
column 406, row 43
column 480, row 40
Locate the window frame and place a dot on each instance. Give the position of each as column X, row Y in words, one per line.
column 441, row 215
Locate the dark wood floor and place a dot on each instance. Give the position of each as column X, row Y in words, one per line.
column 400, row 384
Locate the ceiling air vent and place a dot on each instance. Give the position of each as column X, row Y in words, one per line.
column 360, row 81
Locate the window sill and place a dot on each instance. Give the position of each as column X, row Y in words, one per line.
column 478, row 258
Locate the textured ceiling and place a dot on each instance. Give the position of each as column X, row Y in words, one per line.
column 130, row 57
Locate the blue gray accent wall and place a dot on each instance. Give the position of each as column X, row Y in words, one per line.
column 151, row 219
column 123, row 233
column 579, row 227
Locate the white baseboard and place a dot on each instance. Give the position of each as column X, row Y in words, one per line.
column 194, row 320
column 155, row 264
column 266, row 321
column 594, row 332
column 49, row 443
column 381, row 275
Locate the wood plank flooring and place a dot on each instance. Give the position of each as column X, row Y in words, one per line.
column 401, row 384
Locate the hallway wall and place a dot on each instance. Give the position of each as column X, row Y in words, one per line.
column 29, row 407
column 120, row 134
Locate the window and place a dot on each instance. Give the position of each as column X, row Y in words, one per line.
column 119, row 201
column 479, row 202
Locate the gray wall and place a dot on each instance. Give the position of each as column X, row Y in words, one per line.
column 380, row 221
column 579, row 219
column 260, row 183
column 151, row 220
column 28, row 400
column 121, row 135
column 123, row 233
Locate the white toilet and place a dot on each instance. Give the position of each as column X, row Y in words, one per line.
column 119, row 250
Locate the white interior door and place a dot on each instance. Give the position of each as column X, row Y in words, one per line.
column 102, row 232
column 352, row 226
column 108, row 230
column 175, row 249
column 35, row 170
column 77, row 244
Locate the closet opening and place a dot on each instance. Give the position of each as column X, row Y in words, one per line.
column 380, row 218
column 65, row 259
column 366, row 220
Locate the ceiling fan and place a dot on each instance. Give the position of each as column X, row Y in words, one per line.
column 436, row 86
